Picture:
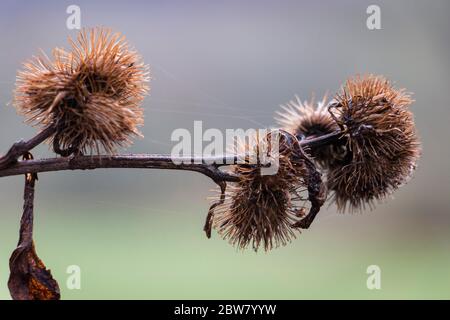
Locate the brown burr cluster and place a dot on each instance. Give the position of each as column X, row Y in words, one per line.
column 375, row 151
column 259, row 210
column 379, row 146
column 91, row 93
column 382, row 146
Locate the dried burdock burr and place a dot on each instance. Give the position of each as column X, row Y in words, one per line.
column 382, row 143
column 260, row 210
column 308, row 120
column 29, row 278
column 100, row 84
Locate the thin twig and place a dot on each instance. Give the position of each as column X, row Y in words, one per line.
column 22, row 147
column 209, row 218
column 322, row 140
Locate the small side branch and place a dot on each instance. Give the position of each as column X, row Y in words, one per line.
column 29, row 278
column 322, row 140
column 22, row 147
column 209, row 218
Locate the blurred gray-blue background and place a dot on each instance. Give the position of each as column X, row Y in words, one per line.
column 138, row 234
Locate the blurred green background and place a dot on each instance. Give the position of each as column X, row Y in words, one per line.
column 138, row 234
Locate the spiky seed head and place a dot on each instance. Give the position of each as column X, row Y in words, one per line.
column 382, row 143
column 309, row 120
column 259, row 210
column 103, row 84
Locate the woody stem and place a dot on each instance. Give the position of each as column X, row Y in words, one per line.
column 209, row 166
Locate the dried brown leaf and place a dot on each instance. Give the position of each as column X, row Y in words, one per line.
column 29, row 279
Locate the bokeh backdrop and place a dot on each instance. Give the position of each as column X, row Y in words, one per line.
column 138, row 234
